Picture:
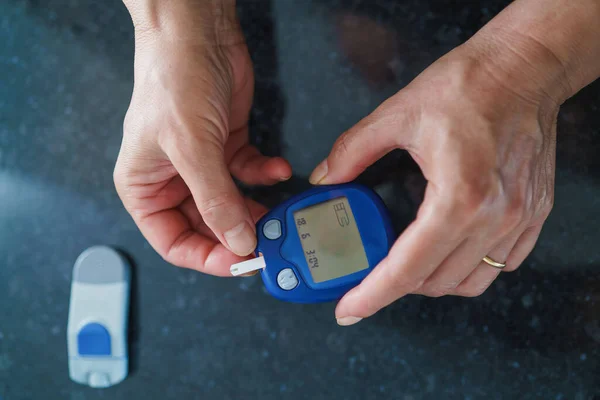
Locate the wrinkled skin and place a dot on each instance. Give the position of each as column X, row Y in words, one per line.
column 488, row 155
column 185, row 133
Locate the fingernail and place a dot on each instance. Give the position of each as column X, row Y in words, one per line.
column 241, row 239
column 319, row 173
column 347, row 321
column 284, row 178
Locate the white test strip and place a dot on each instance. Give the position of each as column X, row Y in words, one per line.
column 247, row 266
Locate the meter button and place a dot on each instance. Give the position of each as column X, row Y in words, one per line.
column 272, row 229
column 286, row 279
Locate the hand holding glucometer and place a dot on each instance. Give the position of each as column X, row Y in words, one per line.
column 319, row 244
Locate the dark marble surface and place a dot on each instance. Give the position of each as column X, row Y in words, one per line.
column 65, row 82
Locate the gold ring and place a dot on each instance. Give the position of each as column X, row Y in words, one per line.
column 493, row 263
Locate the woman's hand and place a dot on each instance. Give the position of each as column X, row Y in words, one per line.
column 487, row 149
column 481, row 124
column 186, row 132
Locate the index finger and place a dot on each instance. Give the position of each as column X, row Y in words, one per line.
column 201, row 164
column 171, row 233
column 416, row 254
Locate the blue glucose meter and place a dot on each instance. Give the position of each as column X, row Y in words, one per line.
column 321, row 243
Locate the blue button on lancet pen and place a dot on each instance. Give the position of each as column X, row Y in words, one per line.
column 318, row 245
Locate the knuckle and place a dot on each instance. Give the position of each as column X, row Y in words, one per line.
column 138, row 126
column 169, row 257
column 200, row 153
column 119, row 183
column 129, row 122
column 513, row 215
column 546, row 207
column 342, row 146
column 215, row 206
column 403, row 285
column 413, row 285
column 118, row 176
column 473, row 196
column 120, row 180
column 468, row 203
column 173, row 253
column 476, row 289
column 213, row 124
column 177, row 136
column 119, row 172
column 440, row 289
column 476, row 195
column 176, row 141
column 435, row 292
column 366, row 308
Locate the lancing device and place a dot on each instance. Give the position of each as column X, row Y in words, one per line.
column 98, row 312
column 319, row 244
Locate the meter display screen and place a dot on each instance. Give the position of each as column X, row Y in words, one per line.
column 330, row 240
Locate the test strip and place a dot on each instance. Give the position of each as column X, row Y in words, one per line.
column 247, row 266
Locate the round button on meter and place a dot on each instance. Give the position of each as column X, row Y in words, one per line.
column 272, row 229
column 286, row 279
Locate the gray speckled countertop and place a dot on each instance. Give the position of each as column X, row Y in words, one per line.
column 65, row 82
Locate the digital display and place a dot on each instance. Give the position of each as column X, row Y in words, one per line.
column 330, row 240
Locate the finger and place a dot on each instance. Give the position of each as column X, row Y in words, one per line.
column 189, row 253
column 170, row 233
column 482, row 276
column 252, row 168
column 463, row 261
column 202, row 166
column 415, row 255
column 156, row 209
column 190, row 211
column 477, row 282
column 163, row 212
column 145, row 198
column 452, row 271
column 523, row 247
column 248, row 165
column 362, row 145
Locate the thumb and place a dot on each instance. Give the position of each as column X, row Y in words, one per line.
column 202, row 166
column 362, row 145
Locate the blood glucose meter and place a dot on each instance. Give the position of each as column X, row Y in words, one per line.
column 318, row 245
